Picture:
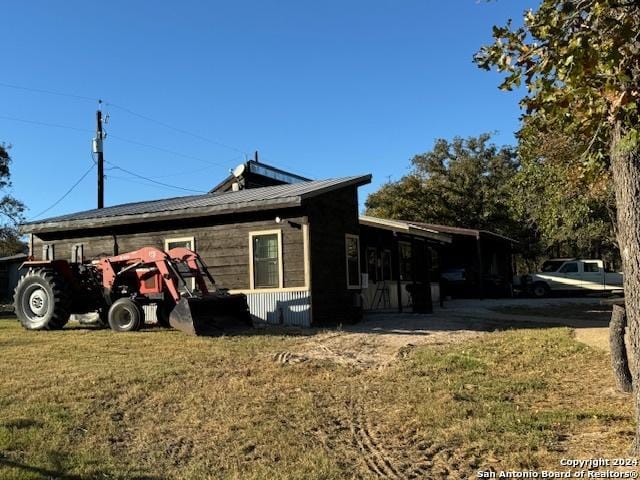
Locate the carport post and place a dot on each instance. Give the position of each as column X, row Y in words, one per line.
column 479, row 252
column 399, row 283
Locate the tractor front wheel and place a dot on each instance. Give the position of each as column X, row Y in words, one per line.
column 42, row 300
column 125, row 315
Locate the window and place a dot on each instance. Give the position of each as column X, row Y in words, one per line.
column 591, row 267
column 386, row 265
column 184, row 242
column 372, row 264
column 569, row 268
column 266, row 259
column 405, row 261
column 551, row 266
column 48, row 252
column 353, row 261
column 77, row 253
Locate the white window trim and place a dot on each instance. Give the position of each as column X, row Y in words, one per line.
column 167, row 241
column 347, row 237
column 277, row 232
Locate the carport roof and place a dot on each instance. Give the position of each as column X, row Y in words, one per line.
column 210, row 204
column 470, row 232
column 401, row 226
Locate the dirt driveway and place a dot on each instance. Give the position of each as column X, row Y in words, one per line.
column 380, row 338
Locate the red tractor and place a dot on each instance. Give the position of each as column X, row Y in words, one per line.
column 118, row 287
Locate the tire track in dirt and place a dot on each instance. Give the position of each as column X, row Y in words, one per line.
column 375, row 456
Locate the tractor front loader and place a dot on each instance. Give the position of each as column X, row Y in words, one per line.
column 118, row 287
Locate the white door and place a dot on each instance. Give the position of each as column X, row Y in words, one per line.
column 592, row 276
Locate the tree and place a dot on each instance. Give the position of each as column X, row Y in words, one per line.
column 10, row 208
column 459, row 183
column 568, row 202
column 580, row 61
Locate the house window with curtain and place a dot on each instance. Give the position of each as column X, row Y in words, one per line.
column 353, row 261
column 266, row 260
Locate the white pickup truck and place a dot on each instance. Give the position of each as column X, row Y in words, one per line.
column 572, row 275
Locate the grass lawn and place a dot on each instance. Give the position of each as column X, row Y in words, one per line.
column 85, row 404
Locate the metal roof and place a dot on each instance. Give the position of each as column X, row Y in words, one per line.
column 264, row 198
column 401, row 226
column 463, row 231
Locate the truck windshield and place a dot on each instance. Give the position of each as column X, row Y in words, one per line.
column 551, row 265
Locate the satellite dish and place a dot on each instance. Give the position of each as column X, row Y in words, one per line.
column 239, row 170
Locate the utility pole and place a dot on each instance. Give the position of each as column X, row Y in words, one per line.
column 97, row 149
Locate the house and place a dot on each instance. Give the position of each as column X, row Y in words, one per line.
column 290, row 247
column 296, row 247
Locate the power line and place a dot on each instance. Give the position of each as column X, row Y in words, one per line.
column 65, row 194
column 117, row 137
column 129, row 111
column 45, row 124
column 49, row 92
column 189, row 172
column 176, row 129
column 166, row 150
column 117, row 167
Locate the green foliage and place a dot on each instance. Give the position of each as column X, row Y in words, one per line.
column 568, row 200
column 10, row 208
column 580, row 61
column 547, row 197
column 461, row 183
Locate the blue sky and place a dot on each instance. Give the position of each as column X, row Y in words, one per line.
column 326, row 88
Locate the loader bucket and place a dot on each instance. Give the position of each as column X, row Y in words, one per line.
column 211, row 314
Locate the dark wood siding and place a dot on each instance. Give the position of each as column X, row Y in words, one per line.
column 223, row 243
column 330, row 218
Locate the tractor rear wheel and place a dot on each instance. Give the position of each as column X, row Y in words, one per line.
column 125, row 315
column 42, row 300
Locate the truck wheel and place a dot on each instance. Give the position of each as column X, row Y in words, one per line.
column 540, row 290
column 125, row 315
column 42, row 300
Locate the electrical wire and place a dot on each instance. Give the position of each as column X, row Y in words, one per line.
column 165, row 150
column 49, row 92
column 118, row 167
column 65, row 194
column 117, row 137
column 127, row 110
column 45, row 124
column 176, row 129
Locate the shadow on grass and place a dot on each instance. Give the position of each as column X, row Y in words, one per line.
column 52, row 474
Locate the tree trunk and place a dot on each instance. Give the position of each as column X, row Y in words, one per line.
column 619, row 358
column 625, row 167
